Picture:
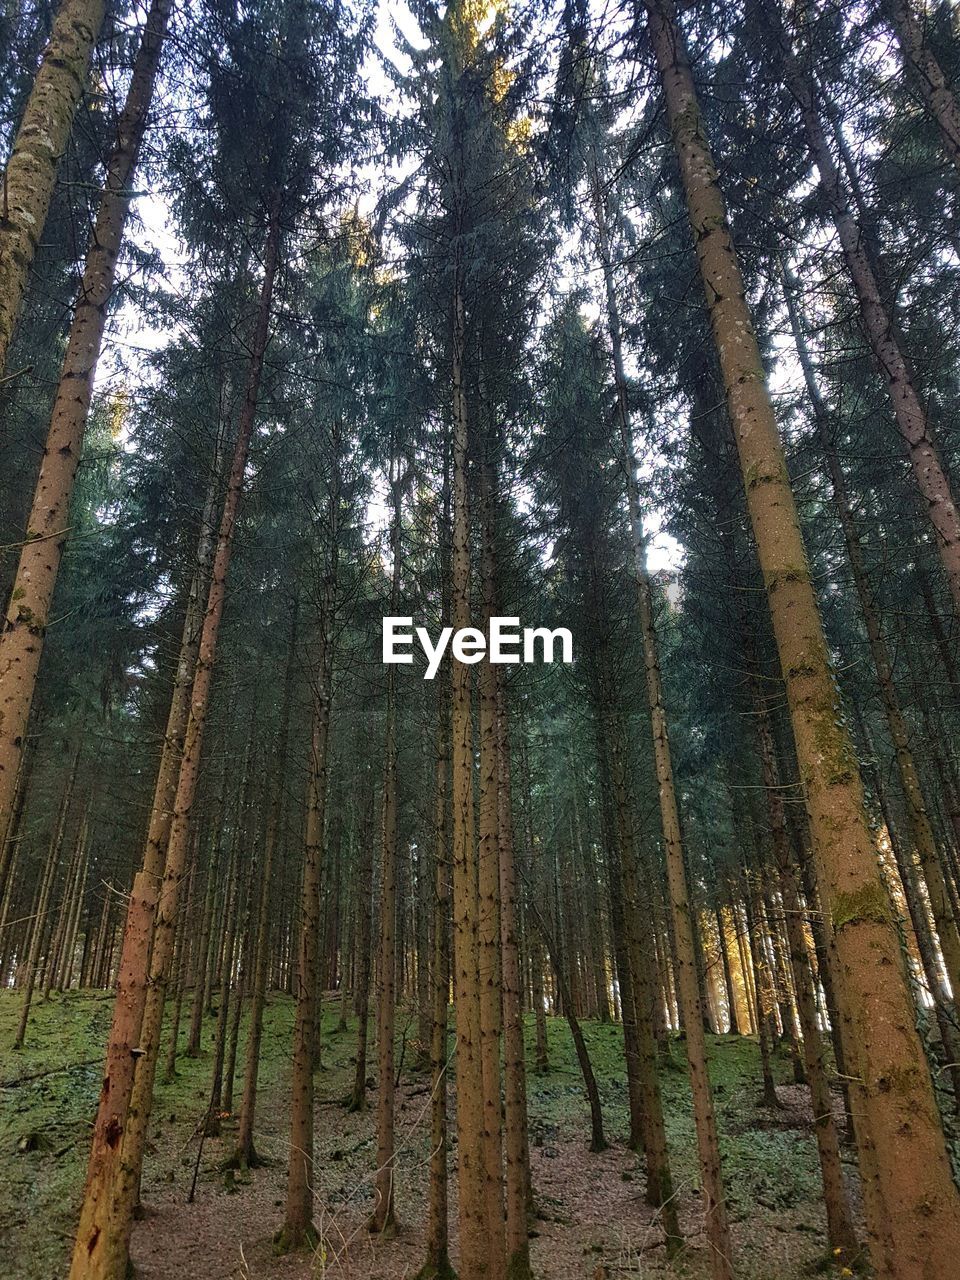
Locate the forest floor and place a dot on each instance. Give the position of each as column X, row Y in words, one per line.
column 592, row 1219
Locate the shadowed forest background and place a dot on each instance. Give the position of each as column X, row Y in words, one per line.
column 631, row 317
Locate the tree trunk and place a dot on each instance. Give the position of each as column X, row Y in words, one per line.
column 383, row 1217
column 437, row 1265
column 718, row 1232
column 96, row 1232
column 358, row 1098
column 488, row 882
column 480, row 1256
column 933, row 84
column 30, row 175
column 920, row 832
column 516, row 1144
column 904, row 1154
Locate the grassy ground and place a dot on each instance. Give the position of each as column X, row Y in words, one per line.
column 592, row 1218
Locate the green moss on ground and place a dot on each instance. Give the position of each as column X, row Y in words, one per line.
column 49, row 1092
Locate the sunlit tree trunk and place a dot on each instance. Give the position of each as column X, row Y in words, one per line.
column 920, row 831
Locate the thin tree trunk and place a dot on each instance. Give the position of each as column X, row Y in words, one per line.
column 597, row 1140
column 245, row 1156
column 516, row 1128
column 480, row 1255
column 488, row 884
column 358, row 1097
column 717, row 1226
column 437, row 1265
column 383, row 1217
column 297, row 1228
column 180, row 969
column 39, row 929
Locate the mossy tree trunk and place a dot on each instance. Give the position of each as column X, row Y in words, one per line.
column 27, row 183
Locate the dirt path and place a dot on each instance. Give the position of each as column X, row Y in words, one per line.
column 593, row 1222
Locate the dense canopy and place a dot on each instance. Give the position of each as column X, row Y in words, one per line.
column 632, row 946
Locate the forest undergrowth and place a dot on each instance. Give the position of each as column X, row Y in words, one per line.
column 591, row 1217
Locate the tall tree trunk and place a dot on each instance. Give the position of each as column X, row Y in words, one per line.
column 437, row 1265
column 383, row 1217
column 480, row 1255
column 358, row 1097
column 180, row 970
column 516, row 1129
column 31, row 173
column 488, row 877
column 903, row 1150
column 231, row 922
column 64, row 69
column 297, row 1228
column 840, row 1231
column 110, row 1246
